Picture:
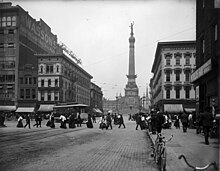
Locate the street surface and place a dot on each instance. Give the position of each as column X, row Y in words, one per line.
column 45, row 149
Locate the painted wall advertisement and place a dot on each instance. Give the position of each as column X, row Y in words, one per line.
column 38, row 32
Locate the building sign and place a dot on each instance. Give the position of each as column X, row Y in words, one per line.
column 197, row 93
column 205, row 68
column 38, row 32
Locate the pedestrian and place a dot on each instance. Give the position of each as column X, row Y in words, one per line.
column 129, row 118
column 109, row 121
column 51, row 119
column 20, row 124
column 177, row 122
column 121, row 121
column 2, row 120
column 190, row 119
column 138, row 120
column 184, row 120
column 28, row 121
column 39, row 119
column 36, row 120
column 89, row 123
column 93, row 118
column 72, row 121
column 153, row 122
column 160, row 120
column 207, row 121
column 79, row 120
column 63, row 121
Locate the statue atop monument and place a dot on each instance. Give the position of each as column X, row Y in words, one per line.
column 132, row 24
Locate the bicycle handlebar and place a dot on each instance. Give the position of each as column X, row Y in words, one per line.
column 199, row 168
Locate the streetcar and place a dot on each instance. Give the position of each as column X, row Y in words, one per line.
column 71, row 109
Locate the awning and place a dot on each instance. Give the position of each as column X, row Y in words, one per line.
column 25, row 109
column 7, row 108
column 189, row 110
column 96, row 110
column 173, row 108
column 46, row 108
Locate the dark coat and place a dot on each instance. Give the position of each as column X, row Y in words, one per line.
column 184, row 118
column 206, row 119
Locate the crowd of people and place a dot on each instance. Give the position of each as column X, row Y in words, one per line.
column 155, row 121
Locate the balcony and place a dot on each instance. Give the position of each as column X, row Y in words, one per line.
column 48, row 88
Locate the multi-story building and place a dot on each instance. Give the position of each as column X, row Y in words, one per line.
column 21, row 37
column 96, row 96
column 61, row 80
column 110, row 106
column 207, row 75
column 171, row 87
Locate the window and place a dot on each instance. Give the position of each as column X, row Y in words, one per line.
column 28, row 94
column 3, row 21
column 56, row 95
column 13, row 23
column 42, row 83
column 56, row 83
column 167, row 61
column 187, row 93
column 35, row 80
column 26, row 80
column 49, row 69
column 22, row 93
column 187, row 60
column 30, row 80
column 216, row 32
column 33, row 93
column 41, row 69
column 168, row 94
column 11, row 45
column 177, row 76
column 177, row 61
column 49, row 96
column 58, row 68
column 168, row 76
column 42, row 96
column 177, row 93
column 49, row 82
column 187, row 75
column 8, row 21
column 21, row 80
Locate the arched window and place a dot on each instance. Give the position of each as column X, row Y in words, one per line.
column 58, row 68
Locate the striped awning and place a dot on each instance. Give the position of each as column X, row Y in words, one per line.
column 25, row 110
column 7, row 108
column 46, row 108
column 173, row 108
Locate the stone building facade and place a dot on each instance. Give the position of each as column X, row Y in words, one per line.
column 171, row 87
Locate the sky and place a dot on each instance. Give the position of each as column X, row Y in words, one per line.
column 98, row 32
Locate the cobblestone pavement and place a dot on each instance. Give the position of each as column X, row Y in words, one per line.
column 124, row 149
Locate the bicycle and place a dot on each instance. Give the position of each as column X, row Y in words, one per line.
column 196, row 168
column 159, row 151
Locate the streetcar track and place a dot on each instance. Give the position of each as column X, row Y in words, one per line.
column 33, row 137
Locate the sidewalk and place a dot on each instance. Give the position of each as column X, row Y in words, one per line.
column 192, row 146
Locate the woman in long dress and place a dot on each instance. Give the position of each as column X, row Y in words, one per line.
column 20, row 124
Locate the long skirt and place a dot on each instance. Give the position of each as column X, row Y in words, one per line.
column 20, row 124
column 89, row 125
